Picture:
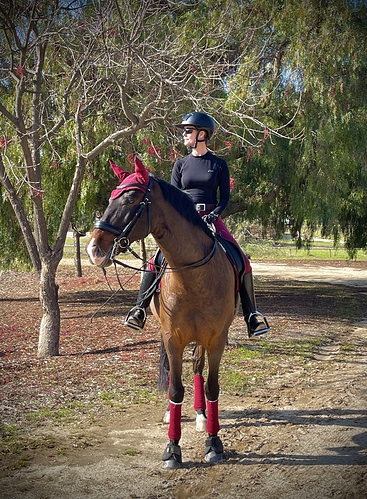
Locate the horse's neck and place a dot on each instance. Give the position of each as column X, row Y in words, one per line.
column 181, row 242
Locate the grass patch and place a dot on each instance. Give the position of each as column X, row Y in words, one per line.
column 303, row 349
column 107, row 396
column 145, row 396
column 59, row 415
column 17, row 448
column 348, row 348
column 239, row 382
column 131, row 452
column 247, row 366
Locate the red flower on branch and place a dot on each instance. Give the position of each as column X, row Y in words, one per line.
column 266, row 135
column 155, row 151
column 20, row 71
column 4, row 142
column 173, row 154
column 250, row 153
column 37, row 192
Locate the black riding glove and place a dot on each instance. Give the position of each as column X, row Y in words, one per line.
column 210, row 218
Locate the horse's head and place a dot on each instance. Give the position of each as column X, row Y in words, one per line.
column 121, row 223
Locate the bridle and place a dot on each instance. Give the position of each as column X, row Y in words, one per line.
column 122, row 242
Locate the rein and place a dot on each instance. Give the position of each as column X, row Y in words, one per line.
column 198, row 263
column 189, row 266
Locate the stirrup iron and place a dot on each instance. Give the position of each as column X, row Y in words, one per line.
column 260, row 331
column 130, row 315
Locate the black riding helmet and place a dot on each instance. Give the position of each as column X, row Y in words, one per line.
column 199, row 120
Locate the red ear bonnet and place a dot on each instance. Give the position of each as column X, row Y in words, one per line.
column 130, row 181
column 119, row 172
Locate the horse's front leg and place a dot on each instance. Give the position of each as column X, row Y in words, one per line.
column 172, row 455
column 213, row 444
column 198, row 361
column 199, row 395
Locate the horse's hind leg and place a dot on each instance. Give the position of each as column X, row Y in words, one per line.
column 199, row 395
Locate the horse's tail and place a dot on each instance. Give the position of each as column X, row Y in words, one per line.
column 163, row 379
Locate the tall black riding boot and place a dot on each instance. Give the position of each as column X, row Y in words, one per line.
column 256, row 322
column 137, row 316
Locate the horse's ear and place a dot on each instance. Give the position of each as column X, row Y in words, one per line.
column 119, row 172
column 141, row 172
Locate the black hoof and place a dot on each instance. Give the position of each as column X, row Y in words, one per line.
column 172, row 458
column 213, row 450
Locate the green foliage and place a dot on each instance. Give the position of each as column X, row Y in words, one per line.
column 285, row 82
column 321, row 181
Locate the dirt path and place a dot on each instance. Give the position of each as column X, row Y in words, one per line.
column 300, row 433
column 346, row 275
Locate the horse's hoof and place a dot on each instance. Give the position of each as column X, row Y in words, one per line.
column 213, row 457
column 213, row 450
column 171, row 464
column 172, row 458
column 200, row 422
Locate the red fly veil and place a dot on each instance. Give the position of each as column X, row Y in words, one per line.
column 130, row 180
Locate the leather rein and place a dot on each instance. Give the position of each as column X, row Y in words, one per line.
column 122, row 242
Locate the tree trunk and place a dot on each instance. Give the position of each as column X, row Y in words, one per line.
column 48, row 342
column 77, row 234
column 77, row 258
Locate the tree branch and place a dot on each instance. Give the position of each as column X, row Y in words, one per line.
column 21, row 217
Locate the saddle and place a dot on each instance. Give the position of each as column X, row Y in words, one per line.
column 235, row 256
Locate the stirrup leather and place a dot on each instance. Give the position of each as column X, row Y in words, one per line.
column 260, row 331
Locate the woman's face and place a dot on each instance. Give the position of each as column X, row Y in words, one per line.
column 189, row 135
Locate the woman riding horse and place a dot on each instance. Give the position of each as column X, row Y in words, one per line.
column 202, row 175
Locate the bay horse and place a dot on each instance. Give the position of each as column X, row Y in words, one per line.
column 197, row 301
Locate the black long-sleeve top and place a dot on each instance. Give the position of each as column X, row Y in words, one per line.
column 205, row 178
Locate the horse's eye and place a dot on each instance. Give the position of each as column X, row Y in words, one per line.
column 127, row 198
column 130, row 199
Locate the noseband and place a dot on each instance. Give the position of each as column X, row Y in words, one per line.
column 121, row 241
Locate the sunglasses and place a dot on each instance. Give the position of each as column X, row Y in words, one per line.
column 188, row 130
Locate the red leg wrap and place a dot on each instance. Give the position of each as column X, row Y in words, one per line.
column 199, row 396
column 212, row 424
column 174, row 430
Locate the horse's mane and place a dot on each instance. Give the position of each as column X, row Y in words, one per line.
column 183, row 204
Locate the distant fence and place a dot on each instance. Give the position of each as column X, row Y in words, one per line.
column 254, row 246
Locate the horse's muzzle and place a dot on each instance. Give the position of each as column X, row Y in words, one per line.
column 97, row 256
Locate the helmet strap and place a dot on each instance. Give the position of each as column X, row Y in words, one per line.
column 200, row 140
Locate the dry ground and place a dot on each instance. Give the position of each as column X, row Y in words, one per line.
column 88, row 424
